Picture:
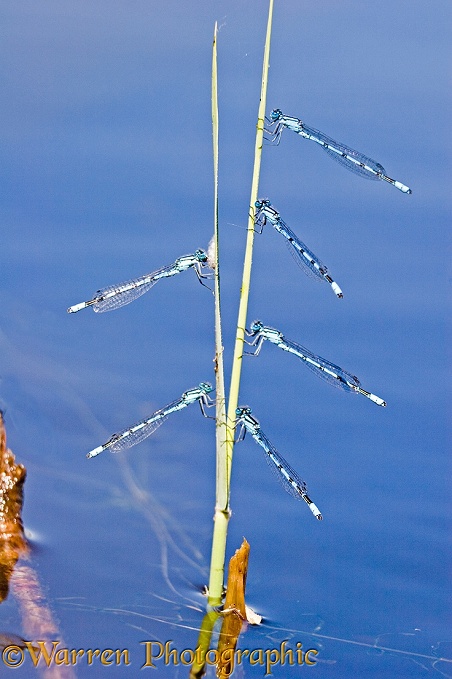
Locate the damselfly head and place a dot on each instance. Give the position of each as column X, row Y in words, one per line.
column 201, row 255
column 242, row 410
column 276, row 115
column 263, row 202
column 205, row 387
column 256, row 326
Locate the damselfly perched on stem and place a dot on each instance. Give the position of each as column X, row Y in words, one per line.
column 308, row 261
column 285, row 474
column 353, row 160
column 320, row 366
column 138, row 432
column 115, row 296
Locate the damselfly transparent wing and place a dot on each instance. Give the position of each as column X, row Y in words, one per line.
column 322, row 368
column 349, row 158
column 285, row 474
column 130, row 437
column 115, row 296
column 303, row 256
column 313, row 267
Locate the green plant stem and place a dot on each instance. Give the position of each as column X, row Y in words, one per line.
column 225, row 427
column 222, row 492
column 221, row 517
column 244, row 293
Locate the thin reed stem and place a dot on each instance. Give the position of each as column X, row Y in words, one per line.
column 221, row 518
column 244, row 292
column 225, row 427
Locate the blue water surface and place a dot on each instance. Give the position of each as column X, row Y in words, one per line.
column 106, row 174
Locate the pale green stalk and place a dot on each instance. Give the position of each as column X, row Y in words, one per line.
column 221, row 517
column 225, row 428
column 244, row 291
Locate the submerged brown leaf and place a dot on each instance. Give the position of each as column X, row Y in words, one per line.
column 12, row 540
